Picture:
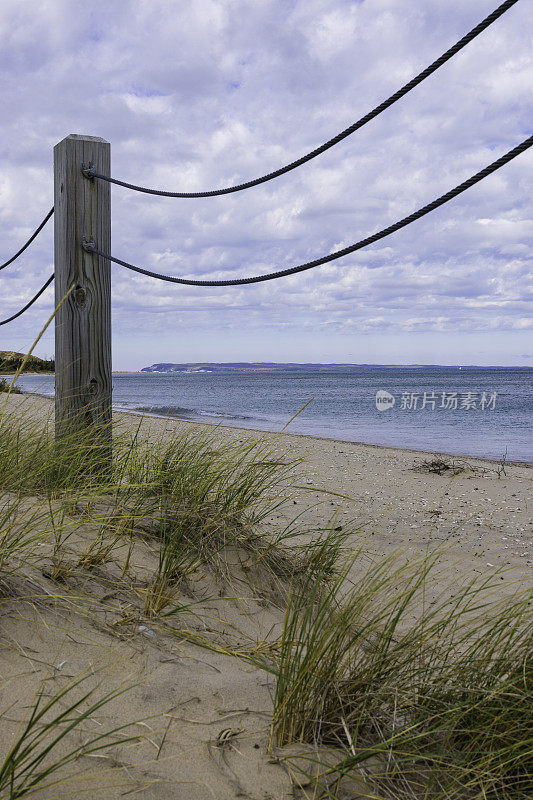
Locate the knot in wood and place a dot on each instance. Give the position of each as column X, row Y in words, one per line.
column 80, row 296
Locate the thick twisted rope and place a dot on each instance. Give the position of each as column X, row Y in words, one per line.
column 89, row 171
column 338, row 253
column 32, row 301
column 30, row 240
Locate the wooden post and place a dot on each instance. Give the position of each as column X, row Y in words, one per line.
column 83, row 323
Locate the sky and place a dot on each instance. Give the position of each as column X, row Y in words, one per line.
column 198, row 95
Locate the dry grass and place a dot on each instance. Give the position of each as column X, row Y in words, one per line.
column 406, row 698
column 419, row 701
column 38, row 752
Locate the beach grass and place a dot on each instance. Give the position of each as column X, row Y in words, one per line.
column 43, row 746
column 413, row 699
column 382, row 689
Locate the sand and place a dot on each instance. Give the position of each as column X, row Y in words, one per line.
column 188, row 695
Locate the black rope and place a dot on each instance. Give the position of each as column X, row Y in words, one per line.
column 90, row 173
column 30, row 240
column 338, row 253
column 32, row 301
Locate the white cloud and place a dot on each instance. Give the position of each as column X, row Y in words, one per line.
column 206, row 94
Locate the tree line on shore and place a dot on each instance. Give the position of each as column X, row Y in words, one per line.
column 11, row 361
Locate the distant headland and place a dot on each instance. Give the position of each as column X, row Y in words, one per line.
column 256, row 366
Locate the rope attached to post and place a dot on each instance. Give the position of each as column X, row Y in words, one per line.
column 90, row 247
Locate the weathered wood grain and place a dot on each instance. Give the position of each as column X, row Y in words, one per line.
column 83, row 390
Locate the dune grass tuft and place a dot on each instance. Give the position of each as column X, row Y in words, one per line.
column 192, row 496
column 421, row 700
column 41, row 747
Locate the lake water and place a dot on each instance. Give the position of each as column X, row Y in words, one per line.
column 468, row 411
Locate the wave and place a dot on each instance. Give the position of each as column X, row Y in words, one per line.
column 222, row 415
column 179, row 412
column 162, row 411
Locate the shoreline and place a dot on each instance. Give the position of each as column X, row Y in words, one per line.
column 148, row 415
column 26, row 372
column 478, row 517
column 321, row 438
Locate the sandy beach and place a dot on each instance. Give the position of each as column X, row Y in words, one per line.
column 189, row 696
column 484, row 518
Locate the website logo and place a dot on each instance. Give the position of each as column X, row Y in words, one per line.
column 384, row 400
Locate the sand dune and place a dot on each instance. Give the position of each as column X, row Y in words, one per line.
column 206, row 711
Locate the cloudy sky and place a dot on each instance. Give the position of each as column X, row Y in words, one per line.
column 202, row 94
